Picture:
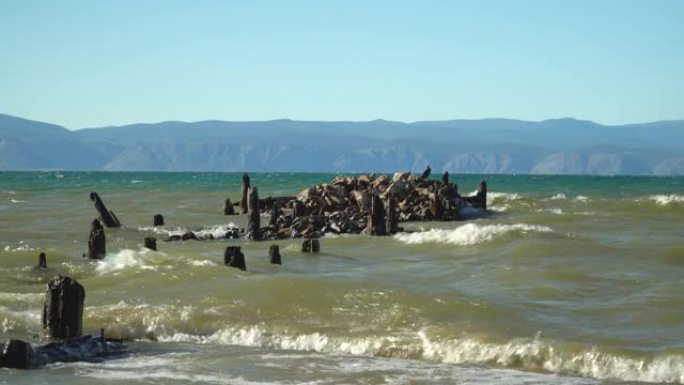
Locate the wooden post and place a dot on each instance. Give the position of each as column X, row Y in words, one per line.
column 151, row 243
column 392, row 216
column 108, row 217
column 233, row 257
column 42, row 261
column 311, row 245
column 482, row 195
column 228, row 208
column 245, row 191
column 17, row 355
column 275, row 214
column 274, row 253
column 377, row 221
column 445, row 177
column 436, row 207
column 254, row 217
column 96, row 241
column 298, row 209
column 158, row 220
column 63, row 309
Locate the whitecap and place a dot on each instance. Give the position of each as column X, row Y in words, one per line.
column 581, row 198
column 17, row 201
column 124, row 260
column 665, row 200
column 469, row 234
column 217, row 231
column 559, row 196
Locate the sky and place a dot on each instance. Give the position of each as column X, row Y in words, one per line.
column 96, row 63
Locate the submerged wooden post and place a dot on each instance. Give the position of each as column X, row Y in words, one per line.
column 254, row 216
column 233, row 257
column 311, row 245
column 151, row 243
column 158, row 220
column 42, row 261
column 63, row 309
column 96, row 241
column 228, row 208
column 108, row 217
column 392, row 216
column 274, row 253
column 245, row 191
column 377, row 217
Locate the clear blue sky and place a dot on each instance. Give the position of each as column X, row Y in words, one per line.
column 92, row 63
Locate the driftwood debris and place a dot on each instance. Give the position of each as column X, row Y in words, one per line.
column 228, row 208
column 96, row 241
column 108, row 217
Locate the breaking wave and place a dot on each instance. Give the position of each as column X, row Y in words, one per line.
column 469, row 234
column 666, row 200
column 217, row 231
column 125, row 259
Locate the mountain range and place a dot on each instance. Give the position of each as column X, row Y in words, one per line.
column 486, row 146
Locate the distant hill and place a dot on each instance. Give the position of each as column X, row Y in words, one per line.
column 557, row 146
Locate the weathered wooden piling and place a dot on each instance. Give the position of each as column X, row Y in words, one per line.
column 311, row 245
column 158, row 220
column 254, row 216
column 108, row 217
column 445, row 177
column 298, row 209
column 377, row 220
column 228, row 208
column 274, row 253
column 245, row 190
column 276, row 212
column 63, row 309
column 482, row 195
column 436, row 207
column 392, row 216
column 234, row 257
column 151, row 243
column 16, row 355
column 96, row 241
column 42, row 261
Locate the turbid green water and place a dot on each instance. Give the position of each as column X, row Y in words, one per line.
column 568, row 280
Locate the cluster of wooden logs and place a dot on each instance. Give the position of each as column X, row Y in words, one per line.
column 62, row 320
column 375, row 204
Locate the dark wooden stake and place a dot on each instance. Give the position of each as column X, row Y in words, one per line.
column 108, row 217
column 158, row 220
column 96, row 241
column 228, row 208
column 311, row 245
column 245, row 190
column 151, row 243
column 274, row 253
column 233, row 257
column 63, row 309
column 377, row 221
column 42, row 261
column 254, row 216
column 392, row 216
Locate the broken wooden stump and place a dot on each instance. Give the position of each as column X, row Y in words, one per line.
column 274, row 253
column 108, row 217
column 96, row 241
column 392, row 216
column 377, row 221
column 436, row 207
column 276, row 212
column 228, row 208
column 158, row 220
column 233, row 257
column 63, row 309
column 298, row 209
column 151, row 243
column 311, row 245
column 16, row 355
column 245, row 190
column 254, row 216
column 42, row 261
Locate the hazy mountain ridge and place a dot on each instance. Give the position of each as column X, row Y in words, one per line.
column 557, row 146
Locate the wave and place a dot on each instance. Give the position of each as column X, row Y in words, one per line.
column 581, row 198
column 666, row 200
column 20, row 248
column 125, row 259
column 217, row 231
column 559, row 196
column 469, row 234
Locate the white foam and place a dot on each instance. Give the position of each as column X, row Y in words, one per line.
column 217, row 231
column 665, row 200
column 17, row 201
column 581, row 198
column 125, row 259
column 553, row 210
column 201, row 263
column 559, row 196
column 135, row 181
column 469, row 234
column 21, row 247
